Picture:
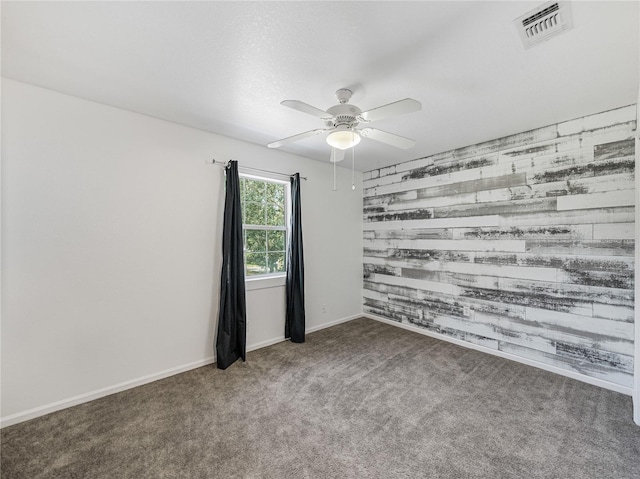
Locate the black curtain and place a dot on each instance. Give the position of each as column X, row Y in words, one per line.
column 294, row 324
column 231, row 342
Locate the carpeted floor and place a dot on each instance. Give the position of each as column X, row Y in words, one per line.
column 359, row 400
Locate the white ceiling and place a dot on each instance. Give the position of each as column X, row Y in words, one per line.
column 225, row 66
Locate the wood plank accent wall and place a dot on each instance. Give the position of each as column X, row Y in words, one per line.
column 523, row 244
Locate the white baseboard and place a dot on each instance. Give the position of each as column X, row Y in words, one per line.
column 107, row 391
column 99, row 393
column 333, row 323
column 530, row 362
column 269, row 342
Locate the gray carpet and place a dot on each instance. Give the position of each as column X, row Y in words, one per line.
column 359, row 400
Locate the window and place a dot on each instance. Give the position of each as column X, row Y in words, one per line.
column 264, row 223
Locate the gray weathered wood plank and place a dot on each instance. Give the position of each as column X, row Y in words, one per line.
column 607, row 199
column 614, row 149
column 537, row 232
column 582, row 247
column 625, row 214
column 507, row 181
column 498, row 208
column 614, row 231
column 559, row 291
column 584, row 170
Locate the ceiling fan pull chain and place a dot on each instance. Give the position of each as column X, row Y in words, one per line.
column 333, row 158
column 353, row 168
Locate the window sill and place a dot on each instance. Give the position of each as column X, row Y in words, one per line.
column 263, row 283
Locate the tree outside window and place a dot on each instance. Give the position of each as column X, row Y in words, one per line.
column 264, row 216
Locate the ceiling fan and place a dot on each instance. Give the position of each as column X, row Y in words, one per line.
column 341, row 121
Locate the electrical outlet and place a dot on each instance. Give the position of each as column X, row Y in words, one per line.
column 324, row 308
column 466, row 311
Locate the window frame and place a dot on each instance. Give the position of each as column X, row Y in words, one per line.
column 268, row 280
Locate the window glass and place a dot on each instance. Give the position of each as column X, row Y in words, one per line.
column 264, row 223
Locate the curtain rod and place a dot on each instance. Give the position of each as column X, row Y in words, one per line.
column 219, row 163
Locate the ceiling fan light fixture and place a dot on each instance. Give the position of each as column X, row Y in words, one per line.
column 343, row 139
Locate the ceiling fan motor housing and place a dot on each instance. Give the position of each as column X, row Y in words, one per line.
column 343, row 114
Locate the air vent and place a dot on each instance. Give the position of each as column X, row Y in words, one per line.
column 544, row 22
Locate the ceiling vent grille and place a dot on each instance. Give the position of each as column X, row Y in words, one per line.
column 544, row 22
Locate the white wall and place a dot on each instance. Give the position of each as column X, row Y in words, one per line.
column 111, row 248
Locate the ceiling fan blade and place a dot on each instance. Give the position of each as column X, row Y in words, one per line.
column 299, row 136
column 306, row 108
column 399, row 107
column 336, row 155
column 388, row 138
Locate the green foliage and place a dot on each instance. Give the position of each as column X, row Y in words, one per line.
column 253, row 213
column 276, row 240
column 276, row 193
column 255, row 263
column 253, row 190
column 255, row 240
column 275, row 214
column 276, row 262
